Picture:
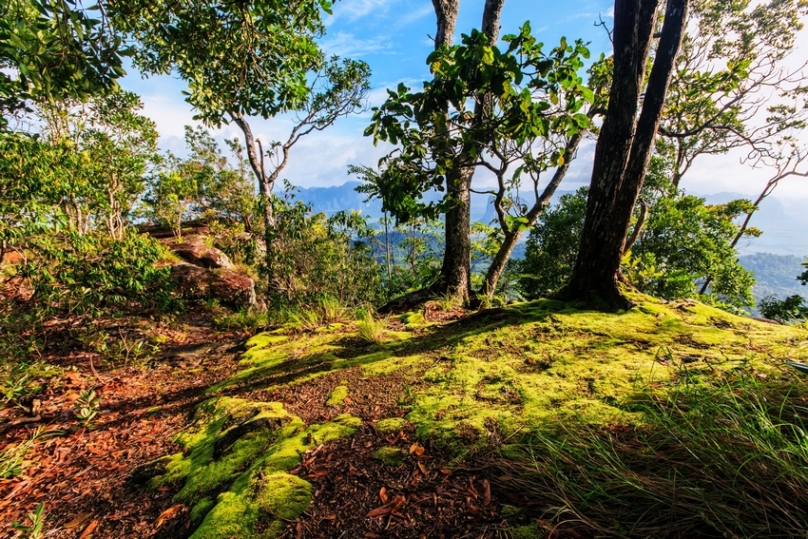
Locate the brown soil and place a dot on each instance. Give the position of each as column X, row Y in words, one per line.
column 80, row 474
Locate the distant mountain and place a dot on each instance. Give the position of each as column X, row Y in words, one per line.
column 784, row 224
column 775, row 274
column 330, row 200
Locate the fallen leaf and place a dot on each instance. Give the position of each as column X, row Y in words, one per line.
column 379, row 511
column 88, row 531
column 446, row 471
column 417, row 449
column 486, row 492
column 383, row 495
column 78, row 521
column 168, row 514
column 422, row 468
column 371, row 535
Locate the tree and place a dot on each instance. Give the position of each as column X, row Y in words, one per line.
column 552, row 246
column 623, row 150
column 515, row 112
column 54, row 50
column 204, row 185
column 456, row 164
column 257, row 59
column 88, row 160
column 732, row 87
column 683, row 243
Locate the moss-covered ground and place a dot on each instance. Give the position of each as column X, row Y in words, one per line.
column 493, row 377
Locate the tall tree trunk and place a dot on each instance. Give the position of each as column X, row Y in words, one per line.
column 446, row 13
column 455, row 275
column 265, row 185
column 624, row 147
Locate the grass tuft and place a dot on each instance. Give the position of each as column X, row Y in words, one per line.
column 723, row 460
column 371, row 329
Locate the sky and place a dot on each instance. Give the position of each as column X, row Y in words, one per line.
column 393, row 37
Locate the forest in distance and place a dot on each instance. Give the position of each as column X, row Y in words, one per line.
column 468, row 338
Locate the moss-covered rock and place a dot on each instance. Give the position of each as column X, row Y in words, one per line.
column 390, row 456
column 283, row 495
column 234, row 471
column 391, row 424
column 337, row 396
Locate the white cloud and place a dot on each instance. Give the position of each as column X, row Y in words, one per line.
column 356, row 9
column 417, row 14
column 170, row 113
column 348, row 45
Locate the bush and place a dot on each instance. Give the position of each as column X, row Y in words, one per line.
column 92, row 274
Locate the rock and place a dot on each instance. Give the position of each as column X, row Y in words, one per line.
column 194, row 250
column 230, row 288
column 13, row 287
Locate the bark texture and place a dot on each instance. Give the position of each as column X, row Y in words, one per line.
column 455, row 275
column 624, row 146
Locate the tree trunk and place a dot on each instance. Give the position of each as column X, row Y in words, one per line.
column 624, row 147
column 455, row 275
column 512, row 237
column 265, row 185
column 446, row 13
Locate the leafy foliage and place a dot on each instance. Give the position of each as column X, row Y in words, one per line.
column 527, row 95
column 683, row 242
column 249, row 59
column 54, row 50
column 316, row 257
column 790, row 309
column 552, row 246
column 205, row 185
column 90, row 274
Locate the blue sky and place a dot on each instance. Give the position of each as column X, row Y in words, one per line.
column 392, row 36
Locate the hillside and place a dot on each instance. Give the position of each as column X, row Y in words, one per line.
column 775, row 274
column 535, row 419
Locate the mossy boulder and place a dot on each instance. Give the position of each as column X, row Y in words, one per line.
column 337, row 396
column 390, row 456
column 391, row 424
column 234, row 471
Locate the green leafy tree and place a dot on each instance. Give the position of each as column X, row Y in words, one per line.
column 552, row 246
column 54, row 50
column 318, row 257
column 109, row 146
column 733, row 59
column 256, row 59
column 204, row 185
column 515, row 112
column 683, row 243
column 790, row 309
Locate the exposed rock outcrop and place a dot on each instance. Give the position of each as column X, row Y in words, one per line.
column 229, row 287
column 193, row 249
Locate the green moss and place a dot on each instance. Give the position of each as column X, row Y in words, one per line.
column 201, row 509
column 239, row 452
column 529, row 531
column 392, row 424
column 337, row 396
column 390, row 456
column 533, row 365
column 413, row 319
column 283, row 495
